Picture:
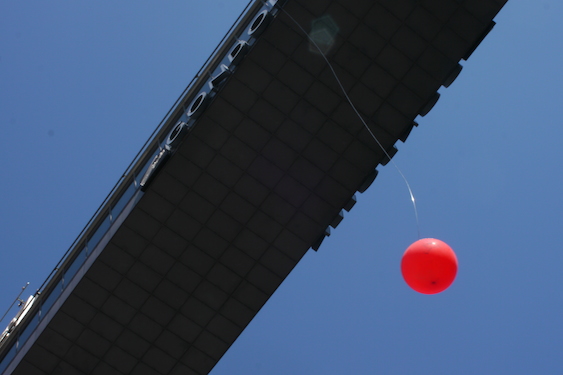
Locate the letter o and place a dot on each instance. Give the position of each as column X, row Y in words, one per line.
column 259, row 23
column 198, row 105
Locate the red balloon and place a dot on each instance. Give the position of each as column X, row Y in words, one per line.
column 429, row 266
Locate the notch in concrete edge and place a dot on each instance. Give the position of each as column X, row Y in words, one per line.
column 348, row 206
column 407, row 132
column 338, row 219
column 429, row 104
column 368, row 180
column 387, row 158
column 452, row 76
column 317, row 244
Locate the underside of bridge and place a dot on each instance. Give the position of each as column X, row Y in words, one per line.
column 249, row 176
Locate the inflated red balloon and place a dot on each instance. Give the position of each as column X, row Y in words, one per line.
column 429, row 266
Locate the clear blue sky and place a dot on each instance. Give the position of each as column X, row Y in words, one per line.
column 83, row 84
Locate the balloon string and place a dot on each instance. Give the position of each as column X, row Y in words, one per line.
column 360, row 117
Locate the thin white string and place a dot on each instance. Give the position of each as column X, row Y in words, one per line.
column 361, row 118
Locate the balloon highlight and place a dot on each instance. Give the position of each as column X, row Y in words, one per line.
column 429, row 266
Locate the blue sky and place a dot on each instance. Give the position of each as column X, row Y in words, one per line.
column 83, row 85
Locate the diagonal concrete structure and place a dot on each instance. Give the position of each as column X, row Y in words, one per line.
column 256, row 162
